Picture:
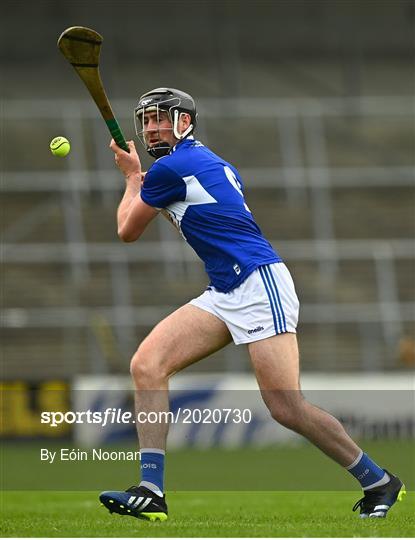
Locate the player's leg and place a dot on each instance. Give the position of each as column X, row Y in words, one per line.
column 184, row 337
column 276, row 364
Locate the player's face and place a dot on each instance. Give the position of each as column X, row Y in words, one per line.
column 158, row 128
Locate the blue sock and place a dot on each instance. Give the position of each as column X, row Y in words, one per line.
column 152, row 469
column 367, row 472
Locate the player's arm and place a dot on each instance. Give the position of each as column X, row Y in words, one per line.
column 133, row 213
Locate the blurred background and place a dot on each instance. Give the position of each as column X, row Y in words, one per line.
column 312, row 100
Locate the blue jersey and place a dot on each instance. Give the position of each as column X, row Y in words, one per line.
column 203, row 196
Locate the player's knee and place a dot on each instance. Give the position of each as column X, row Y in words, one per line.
column 143, row 367
column 136, row 365
column 288, row 414
column 284, row 417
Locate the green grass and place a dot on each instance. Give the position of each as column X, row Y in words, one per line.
column 204, row 514
column 213, row 493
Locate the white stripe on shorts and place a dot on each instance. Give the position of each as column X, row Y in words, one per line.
column 274, row 299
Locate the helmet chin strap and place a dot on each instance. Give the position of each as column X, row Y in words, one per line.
column 159, row 150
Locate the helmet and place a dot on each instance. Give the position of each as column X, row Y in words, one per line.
column 172, row 101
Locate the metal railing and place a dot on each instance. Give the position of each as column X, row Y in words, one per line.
column 304, row 173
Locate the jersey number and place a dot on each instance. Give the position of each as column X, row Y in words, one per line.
column 230, row 175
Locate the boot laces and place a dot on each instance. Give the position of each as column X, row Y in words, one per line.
column 132, row 489
column 368, row 502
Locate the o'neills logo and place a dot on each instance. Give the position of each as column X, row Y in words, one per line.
column 257, row 329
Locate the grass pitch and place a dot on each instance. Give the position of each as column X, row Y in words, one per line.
column 204, row 514
column 213, row 493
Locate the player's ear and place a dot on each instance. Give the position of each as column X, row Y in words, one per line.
column 185, row 120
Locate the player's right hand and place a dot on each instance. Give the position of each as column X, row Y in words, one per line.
column 128, row 163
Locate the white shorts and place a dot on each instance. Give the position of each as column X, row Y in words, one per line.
column 264, row 305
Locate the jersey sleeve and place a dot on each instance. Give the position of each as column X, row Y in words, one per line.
column 162, row 186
